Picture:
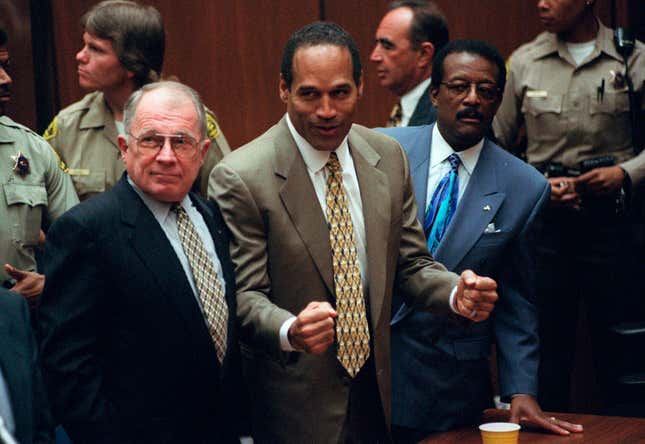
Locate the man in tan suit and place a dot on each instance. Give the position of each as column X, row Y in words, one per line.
column 324, row 228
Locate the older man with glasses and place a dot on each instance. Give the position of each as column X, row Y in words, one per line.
column 138, row 329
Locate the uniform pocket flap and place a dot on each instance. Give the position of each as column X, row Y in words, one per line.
column 611, row 103
column 25, row 193
column 89, row 182
column 541, row 105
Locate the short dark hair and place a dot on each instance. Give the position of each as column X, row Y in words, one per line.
column 475, row 47
column 136, row 32
column 428, row 23
column 4, row 38
column 316, row 34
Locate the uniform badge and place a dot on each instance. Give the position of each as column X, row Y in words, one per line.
column 21, row 166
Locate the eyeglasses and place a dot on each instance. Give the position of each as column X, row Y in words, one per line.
column 183, row 145
column 485, row 90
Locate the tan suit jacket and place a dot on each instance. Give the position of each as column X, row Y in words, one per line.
column 282, row 257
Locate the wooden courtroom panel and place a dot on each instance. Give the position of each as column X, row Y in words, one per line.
column 67, row 42
column 230, row 52
column 15, row 17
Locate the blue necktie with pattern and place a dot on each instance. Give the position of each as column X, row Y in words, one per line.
column 442, row 205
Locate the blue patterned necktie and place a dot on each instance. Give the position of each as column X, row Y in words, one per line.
column 442, row 205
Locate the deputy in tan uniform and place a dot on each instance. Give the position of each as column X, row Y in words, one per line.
column 34, row 190
column 123, row 50
column 568, row 87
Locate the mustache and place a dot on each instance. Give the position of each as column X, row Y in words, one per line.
column 470, row 113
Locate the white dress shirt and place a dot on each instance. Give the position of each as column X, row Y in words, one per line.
column 168, row 221
column 316, row 161
column 410, row 99
column 439, row 165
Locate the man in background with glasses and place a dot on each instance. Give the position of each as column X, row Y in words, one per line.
column 477, row 204
column 138, row 314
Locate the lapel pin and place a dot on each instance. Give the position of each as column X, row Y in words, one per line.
column 486, row 207
column 21, row 167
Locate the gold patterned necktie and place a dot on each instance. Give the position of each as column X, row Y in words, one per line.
column 395, row 116
column 207, row 282
column 352, row 333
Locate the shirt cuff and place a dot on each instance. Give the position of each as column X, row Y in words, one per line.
column 453, row 293
column 285, row 345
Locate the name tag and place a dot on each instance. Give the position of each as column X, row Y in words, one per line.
column 78, row 172
column 537, row 94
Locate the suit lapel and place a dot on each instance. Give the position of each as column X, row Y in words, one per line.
column 419, row 157
column 299, row 199
column 151, row 245
column 375, row 197
column 424, row 113
column 475, row 211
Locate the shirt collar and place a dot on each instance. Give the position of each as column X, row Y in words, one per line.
column 410, row 99
column 160, row 210
column 604, row 43
column 317, row 159
column 441, row 150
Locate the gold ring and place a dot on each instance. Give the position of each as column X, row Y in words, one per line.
column 552, row 419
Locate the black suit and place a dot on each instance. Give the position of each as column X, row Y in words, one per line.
column 424, row 113
column 126, row 351
column 18, row 360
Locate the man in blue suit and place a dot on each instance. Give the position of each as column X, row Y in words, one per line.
column 478, row 204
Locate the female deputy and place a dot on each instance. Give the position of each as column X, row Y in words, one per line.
column 123, row 49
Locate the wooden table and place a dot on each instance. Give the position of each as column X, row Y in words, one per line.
column 597, row 430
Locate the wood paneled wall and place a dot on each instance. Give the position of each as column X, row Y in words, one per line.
column 15, row 17
column 230, row 51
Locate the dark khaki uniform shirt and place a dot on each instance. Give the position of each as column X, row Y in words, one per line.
column 567, row 119
column 85, row 137
column 34, row 191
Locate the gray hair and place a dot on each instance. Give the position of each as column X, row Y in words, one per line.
column 131, row 105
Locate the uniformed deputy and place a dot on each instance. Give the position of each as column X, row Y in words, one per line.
column 569, row 88
column 34, row 190
column 123, row 50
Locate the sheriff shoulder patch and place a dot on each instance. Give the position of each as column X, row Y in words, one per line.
column 51, row 130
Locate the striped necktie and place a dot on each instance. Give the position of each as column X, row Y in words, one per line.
column 442, row 205
column 207, row 282
column 395, row 116
column 352, row 332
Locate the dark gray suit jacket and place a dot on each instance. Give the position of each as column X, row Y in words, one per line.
column 20, row 369
column 440, row 375
column 126, row 352
column 424, row 113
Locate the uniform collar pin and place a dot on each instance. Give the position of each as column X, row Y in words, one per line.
column 486, row 207
column 21, row 165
